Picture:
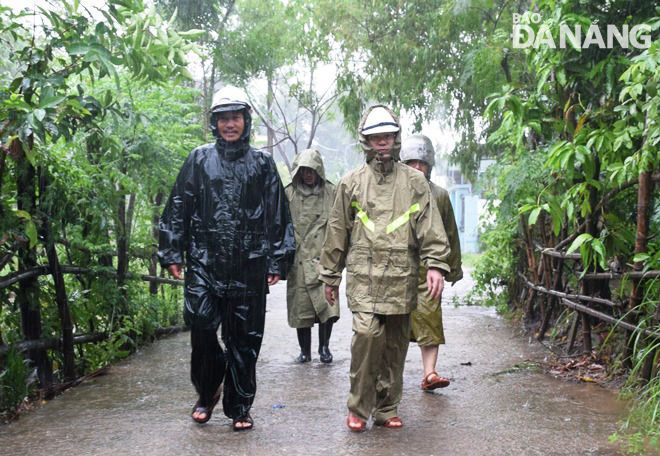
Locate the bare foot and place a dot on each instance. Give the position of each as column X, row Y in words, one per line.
column 199, row 415
column 243, row 423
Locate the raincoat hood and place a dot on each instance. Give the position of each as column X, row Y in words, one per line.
column 310, row 158
column 230, row 98
column 366, row 147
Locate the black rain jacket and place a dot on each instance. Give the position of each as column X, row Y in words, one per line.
column 229, row 214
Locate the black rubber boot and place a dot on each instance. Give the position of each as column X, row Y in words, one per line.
column 305, row 341
column 325, row 329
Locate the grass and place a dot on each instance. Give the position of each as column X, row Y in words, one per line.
column 469, row 259
column 525, row 366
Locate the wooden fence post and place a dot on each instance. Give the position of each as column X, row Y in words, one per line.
column 643, row 204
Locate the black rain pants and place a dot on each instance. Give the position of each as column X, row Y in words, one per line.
column 241, row 321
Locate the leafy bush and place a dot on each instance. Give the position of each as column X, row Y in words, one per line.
column 15, row 382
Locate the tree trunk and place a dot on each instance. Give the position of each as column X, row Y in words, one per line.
column 3, row 160
column 153, row 263
column 122, row 243
column 125, row 211
column 269, row 110
column 28, row 289
column 643, row 205
column 641, row 240
column 69, row 367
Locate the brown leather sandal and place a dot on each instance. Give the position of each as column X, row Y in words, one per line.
column 433, row 381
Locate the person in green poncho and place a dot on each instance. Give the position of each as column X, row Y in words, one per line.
column 310, row 200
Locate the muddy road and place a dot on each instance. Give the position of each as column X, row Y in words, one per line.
column 494, row 406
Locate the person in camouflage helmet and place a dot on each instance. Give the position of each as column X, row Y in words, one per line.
column 381, row 226
column 310, row 200
column 426, row 321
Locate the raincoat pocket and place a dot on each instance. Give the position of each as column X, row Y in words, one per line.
column 358, row 265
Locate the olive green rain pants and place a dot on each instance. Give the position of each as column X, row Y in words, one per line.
column 378, row 355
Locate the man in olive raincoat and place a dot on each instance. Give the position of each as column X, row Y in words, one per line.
column 426, row 321
column 310, row 200
column 381, row 226
column 229, row 217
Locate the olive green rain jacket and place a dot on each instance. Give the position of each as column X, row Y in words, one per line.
column 443, row 203
column 381, row 225
column 426, row 321
column 310, row 207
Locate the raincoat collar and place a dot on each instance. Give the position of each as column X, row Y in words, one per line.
column 231, row 150
column 382, row 170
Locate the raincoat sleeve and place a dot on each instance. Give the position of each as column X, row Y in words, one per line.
column 449, row 221
column 431, row 236
column 175, row 221
column 279, row 225
column 337, row 237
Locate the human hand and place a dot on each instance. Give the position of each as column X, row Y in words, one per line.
column 273, row 279
column 175, row 271
column 331, row 294
column 435, row 283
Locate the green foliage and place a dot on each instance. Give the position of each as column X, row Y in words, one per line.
column 589, row 115
column 281, row 43
column 102, row 116
column 424, row 57
column 15, row 383
column 45, row 100
column 495, row 269
column 259, row 44
column 640, row 431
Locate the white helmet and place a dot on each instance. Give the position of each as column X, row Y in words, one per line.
column 229, row 98
column 379, row 120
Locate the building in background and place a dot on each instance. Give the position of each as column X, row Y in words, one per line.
column 468, row 204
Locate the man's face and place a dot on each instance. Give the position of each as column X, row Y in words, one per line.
column 419, row 165
column 231, row 125
column 382, row 144
column 309, row 176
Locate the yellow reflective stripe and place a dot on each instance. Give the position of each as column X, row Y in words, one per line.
column 364, row 218
column 403, row 219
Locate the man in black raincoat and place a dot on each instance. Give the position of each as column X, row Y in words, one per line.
column 229, row 214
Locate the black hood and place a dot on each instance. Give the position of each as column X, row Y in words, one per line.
column 234, row 149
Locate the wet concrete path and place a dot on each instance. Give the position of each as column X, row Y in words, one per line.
column 142, row 407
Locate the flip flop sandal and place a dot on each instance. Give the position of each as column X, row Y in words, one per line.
column 393, row 423
column 355, row 424
column 243, row 419
column 208, row 409
column 433, row 381
column 198, row 408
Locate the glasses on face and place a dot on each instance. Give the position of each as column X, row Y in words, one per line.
column 381, row 138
